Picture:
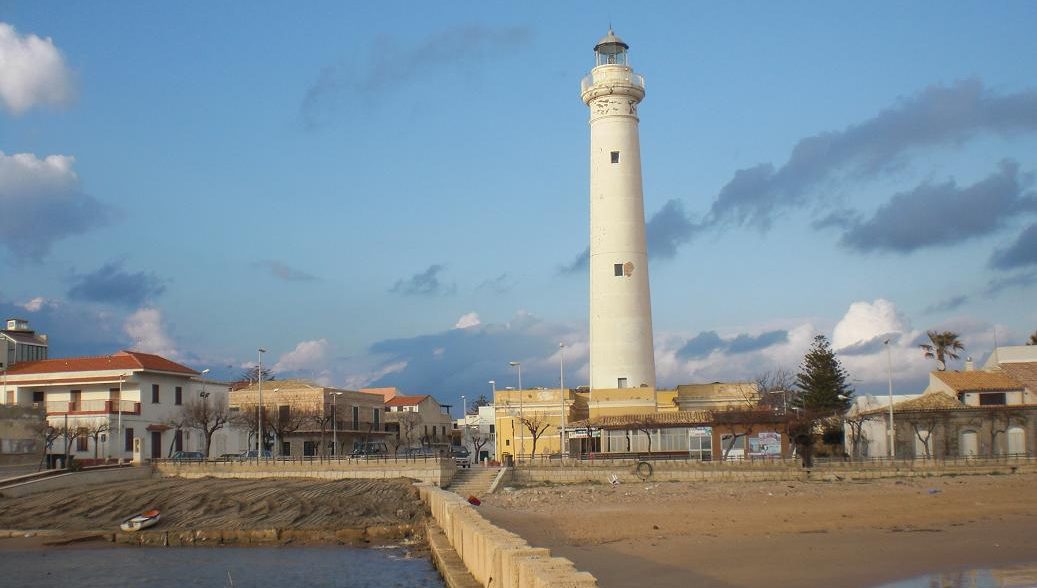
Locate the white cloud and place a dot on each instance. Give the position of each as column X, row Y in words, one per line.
column 360, row 380
column 42, row 198
column 32, row 72
column 467, row 320
column 308, row 356
column 867, row 321
column 148, row 333
column 37, row 304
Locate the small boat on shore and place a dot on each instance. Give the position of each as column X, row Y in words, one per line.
column 141, row 521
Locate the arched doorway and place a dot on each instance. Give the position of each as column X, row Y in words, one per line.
column 968, row 445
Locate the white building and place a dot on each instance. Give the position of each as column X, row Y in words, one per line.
column 130, row 394
column 873, row 436
column 621, row 348
column 479, row 428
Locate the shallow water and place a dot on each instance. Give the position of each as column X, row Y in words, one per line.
column 324, row 566
column 1018, row 576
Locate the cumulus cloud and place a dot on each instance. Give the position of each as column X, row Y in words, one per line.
column 110, row 284
column 945, row 214
column 393, row 65
column 37, row 304
column 32, row 72
column 73, row 328
column 283, row 271
column 867, row 322
column 424, row 283
column 147, row 330
column 42, row 198
column 1023, row 252
column 470, row 319
column 308, row 356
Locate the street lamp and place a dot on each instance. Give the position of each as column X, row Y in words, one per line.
column 522, row 414
column 259, row 408
column 334, row 422
column 464, row 417
column 889, row 363
column 562, row 449
column 203, row 394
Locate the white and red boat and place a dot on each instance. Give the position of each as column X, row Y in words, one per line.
column 141, row 521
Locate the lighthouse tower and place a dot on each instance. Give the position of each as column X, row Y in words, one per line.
column 621, row 350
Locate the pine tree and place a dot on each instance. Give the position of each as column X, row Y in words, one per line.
column 822, row 380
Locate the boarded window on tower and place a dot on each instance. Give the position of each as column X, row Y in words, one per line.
column 615, row 156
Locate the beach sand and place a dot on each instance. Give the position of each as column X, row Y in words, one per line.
column 805, row 534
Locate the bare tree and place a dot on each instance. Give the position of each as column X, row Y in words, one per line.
column 1001, row 419
column 70, row 432
column 321, row 416
column 177, row 422
column 537, row 425
column 858, row 435
column 776, row 390
column 248, row 417
column 408, row 422
column 645, row 423
column 923, row 424
column 94, row 429
column 478, row 441
column 205, row 415
column 284, row 421
column 46, row 433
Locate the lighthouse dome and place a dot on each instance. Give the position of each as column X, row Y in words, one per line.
column 611, row 50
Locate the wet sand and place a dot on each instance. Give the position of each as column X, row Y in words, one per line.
column 805, row 534
column 220, row 503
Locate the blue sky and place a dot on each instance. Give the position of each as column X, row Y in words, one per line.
column 396, row 194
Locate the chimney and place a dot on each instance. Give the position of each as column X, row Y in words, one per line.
column 970, row 366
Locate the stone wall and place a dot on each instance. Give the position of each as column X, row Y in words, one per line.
column 496, row 557
column 626, row 470
column 434, row 471
column 20, row 442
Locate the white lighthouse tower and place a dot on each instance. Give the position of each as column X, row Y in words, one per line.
column 621, row 350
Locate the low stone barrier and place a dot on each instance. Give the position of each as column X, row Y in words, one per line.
column 496, row 557
column 434, row 471
column 626, row 470
column 106, row 475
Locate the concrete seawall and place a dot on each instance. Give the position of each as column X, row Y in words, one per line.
column 496, row 557
column 438, row 472
column 626, row 471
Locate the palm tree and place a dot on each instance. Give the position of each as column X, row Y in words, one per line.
column 1033, row 339
column 944, row 345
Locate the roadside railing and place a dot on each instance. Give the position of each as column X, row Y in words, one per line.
column 288, row 460
column 741, row 461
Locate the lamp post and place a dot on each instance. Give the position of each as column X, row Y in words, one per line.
column 889, row 363
column 334, row 422
column 522, row 414
column 122, row 377
column 562, row 448
column 464, row 420
column 259, row 408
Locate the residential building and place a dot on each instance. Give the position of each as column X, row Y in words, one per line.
column 306, row 419
column 478, row 432
column 20, row 344
column 972, row 413
column 106, row 403
column 716, row 396
column 418, row 421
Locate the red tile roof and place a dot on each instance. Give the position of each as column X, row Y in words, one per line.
column 978, row 381
column 122, row 360
column 406, row 400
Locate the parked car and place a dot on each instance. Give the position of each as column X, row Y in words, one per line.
column 187, row 456
column 461, row 455
column 420, row 452
column 370, row 449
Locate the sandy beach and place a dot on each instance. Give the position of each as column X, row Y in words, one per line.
column 806, row 534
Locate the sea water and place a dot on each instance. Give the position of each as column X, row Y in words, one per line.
column 1017, row 576
column 155, row 567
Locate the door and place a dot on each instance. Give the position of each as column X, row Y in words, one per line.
column 1016, row 441
column 156, row 444
column 969, row 445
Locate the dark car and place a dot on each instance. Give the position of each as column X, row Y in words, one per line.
column 187, row 456
column 251, row 454
column 371, row 449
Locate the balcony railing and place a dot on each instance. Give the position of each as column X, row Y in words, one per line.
column 613, row 75
column 92, row 407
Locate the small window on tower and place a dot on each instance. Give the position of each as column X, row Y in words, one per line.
column 615, row 157
column 618, row 269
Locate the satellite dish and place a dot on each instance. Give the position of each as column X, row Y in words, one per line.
column 940, row 365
